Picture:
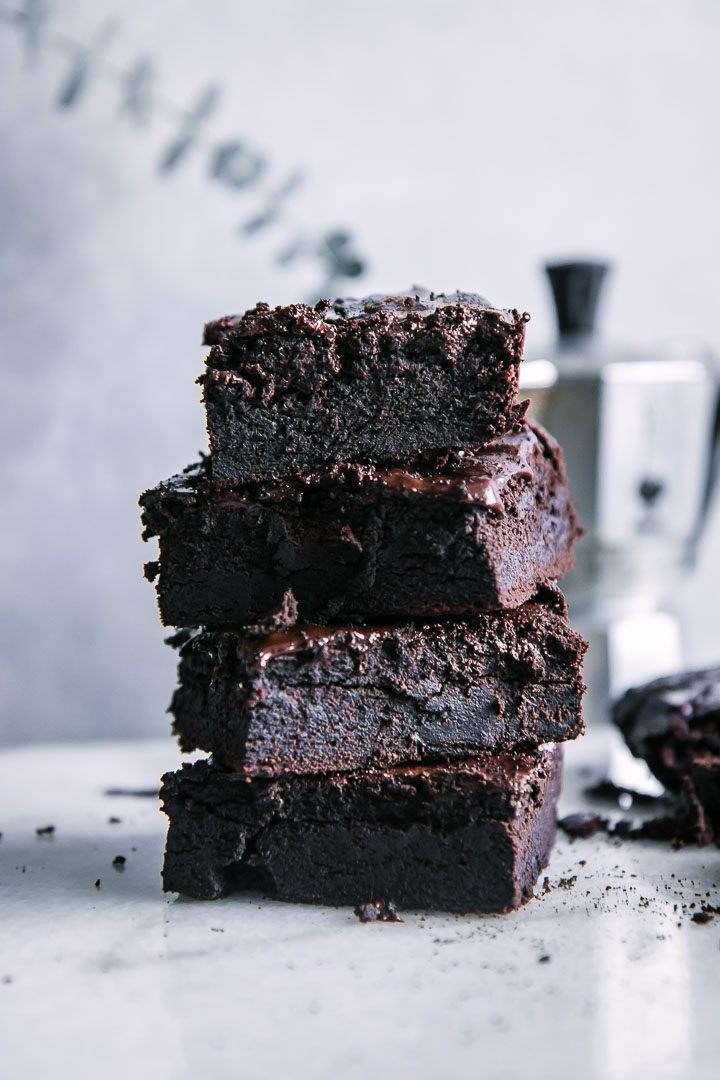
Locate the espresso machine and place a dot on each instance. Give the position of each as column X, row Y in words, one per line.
column 640, row 433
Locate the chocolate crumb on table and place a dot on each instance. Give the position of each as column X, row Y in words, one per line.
column 377, row 911
column 583, row 824
column 702, row 917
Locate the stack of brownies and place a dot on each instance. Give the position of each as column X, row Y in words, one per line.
column 373, row 649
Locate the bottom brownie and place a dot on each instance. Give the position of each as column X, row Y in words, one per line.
column 472, row 836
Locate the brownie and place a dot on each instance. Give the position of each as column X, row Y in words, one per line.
column 329, row 699
column 482, row 531
column 384, row 380
column 674, row 725
column 467, row 837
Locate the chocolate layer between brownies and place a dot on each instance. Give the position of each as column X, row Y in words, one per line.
column 471, row 837
column 482, row 531
column 674, row 724
column 329, row 699
column 384, row 380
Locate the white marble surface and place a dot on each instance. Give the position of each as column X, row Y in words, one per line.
column 121, row 980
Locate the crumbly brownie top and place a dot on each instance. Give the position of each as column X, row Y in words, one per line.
column 418, row 302
column 300, row 344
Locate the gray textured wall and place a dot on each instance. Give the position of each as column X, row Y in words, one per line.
column 461, row 143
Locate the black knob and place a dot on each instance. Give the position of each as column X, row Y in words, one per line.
column 576, row 287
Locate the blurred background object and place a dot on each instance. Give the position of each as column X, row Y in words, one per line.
column 163, row 164
column 640, row 434
column 640, row 431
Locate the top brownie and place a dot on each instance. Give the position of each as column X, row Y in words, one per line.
column 384, row 380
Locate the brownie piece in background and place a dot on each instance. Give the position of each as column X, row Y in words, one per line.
column 471, row 837
column 674, row 725
column 383, row 380
column 482, row 531
column 327, row 699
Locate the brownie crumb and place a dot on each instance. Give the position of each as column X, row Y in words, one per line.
column 97, row 883
column 683, row 825
column 706, row 914
column 119, row 862
column 702, row 917
column 544, row 959
column 45, row 830
column 377, row 911
column 678, row 829
column 567, row 882
column 583, row 825
column 114, row 820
